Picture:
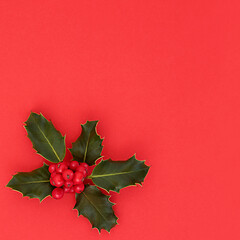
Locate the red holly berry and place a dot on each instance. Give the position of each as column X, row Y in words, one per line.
column 82, row 170
column 68, row 183
column 52, row 182
column 67, row 163
column 60, row 167
column 66, row 189
column 84, row 165
column 52, row 168
column 71, row 190
column 57, row 193
column 78, row 178
column 67, row 174
column 73, row 165
column 58, row 180
column 79, row 188
column 53, row 174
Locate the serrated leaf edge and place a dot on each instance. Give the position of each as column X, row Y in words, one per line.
column 64, row 138
column 101, row 138
column 131, row 185
column 99, row 230
column 22, row 193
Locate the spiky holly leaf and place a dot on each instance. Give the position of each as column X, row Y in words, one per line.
column 88, row 146
column 46, row 140
column 95, row 206
column 33, row 184
column 115, row 175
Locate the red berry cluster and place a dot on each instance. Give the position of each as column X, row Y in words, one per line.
column 67, row 177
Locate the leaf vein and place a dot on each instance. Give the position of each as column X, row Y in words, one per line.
column 24, row 183
column 94, row 206
column 113, row 174
column 85, row 153
column 48, row 141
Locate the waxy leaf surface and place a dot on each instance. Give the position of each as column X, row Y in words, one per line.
column 33, row 184
column 46, row 140
column 115, row 175
column 88, row 146
column 95, row 206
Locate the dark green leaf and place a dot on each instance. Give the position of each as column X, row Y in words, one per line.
column 95, row 206
column 33, row 184
column 88, row 146
column 115, row 175
column 46, row 140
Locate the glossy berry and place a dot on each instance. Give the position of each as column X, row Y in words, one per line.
column 66, row 189
column 52, row 182
column 67, row 174
column 84, row 165
column 78, row 178
column 58, row 180
column 79, row 188
column 72, row 190
column 60, row 167
column 68, row 183
column 67, row 163
column 52, row 168
column 53, row 174
column 57, row 193
column 82, row 170
column 73, row 165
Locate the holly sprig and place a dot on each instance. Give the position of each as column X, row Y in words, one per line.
column 107, row 174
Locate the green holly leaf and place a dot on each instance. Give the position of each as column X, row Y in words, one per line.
column 88, row 146
column 115, row 175
column 46, row 140
column 95, row 206
column 33, row 184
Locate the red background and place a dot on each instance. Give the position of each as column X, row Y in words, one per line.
column 163, row 79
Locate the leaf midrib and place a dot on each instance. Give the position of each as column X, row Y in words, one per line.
column 24, row 183
column 85, row 153
column 113, row 174
column 94, row 206
column 47, row 140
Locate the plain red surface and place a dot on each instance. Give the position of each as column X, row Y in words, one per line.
column 162, row 77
